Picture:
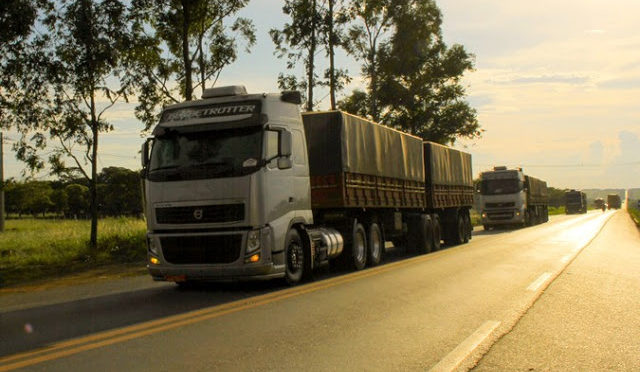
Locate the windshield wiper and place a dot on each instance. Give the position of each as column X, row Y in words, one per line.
column 165, row 167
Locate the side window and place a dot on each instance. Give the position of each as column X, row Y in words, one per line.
column 298, row 148
column 271, row 144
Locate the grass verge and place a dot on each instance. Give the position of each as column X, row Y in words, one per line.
column 32, row 249
column 635, row 215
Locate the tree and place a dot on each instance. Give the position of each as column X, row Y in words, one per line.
column 77, row 200
column 73, row 70
column 187, row 42
column 413, row 77
column 420, row 87
column 59, row 200
column 122, row 192
column 38, row 197
column 373, row 20
column 334, row 18
column 298, row 41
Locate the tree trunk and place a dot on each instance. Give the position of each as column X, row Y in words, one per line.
column 312, row 52
column 373, row 86
column 332, row 72
column 93, row 242
column 188, row 85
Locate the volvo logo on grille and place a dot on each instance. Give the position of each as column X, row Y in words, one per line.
column 198, row 213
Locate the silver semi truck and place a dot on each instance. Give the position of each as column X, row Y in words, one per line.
column 243, row 186
column 510, row 197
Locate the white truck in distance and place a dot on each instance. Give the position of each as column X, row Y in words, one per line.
column 510, row 197
column 242, row 186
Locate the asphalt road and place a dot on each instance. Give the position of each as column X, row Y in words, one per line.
column 439, row 311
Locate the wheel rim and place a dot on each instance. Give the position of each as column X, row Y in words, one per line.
column 294, row 258
column 358, row 247
column 375, row 243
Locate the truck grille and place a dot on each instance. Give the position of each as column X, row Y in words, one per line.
column 201, row 249
column 500, row 205
column 201, row 214
column 504, row 215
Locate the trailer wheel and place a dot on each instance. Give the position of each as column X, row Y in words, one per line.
column 294, row 257
column 358, row 247
column 420, row 234
column 468, row 228
column 436, row 232
column 376, row 245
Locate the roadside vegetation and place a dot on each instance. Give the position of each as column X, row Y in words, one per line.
column 634, row 211
column 37, row 248
column 556, row 210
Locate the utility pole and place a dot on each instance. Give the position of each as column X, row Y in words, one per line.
column 1, row 184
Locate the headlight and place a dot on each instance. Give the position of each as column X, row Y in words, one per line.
column 153, row 248
column 253, row 241
column 484, row 215
column 517, row 212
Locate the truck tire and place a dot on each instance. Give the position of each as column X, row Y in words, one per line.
column 419, row 236
column 456, row 231
column 375, row 245
column 294, row 255
column 468, row 227
column 358, row 247
column 436, row 233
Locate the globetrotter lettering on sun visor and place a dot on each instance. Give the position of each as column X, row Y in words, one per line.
column 235, row 109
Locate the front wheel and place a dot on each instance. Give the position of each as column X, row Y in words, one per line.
column 294, row 257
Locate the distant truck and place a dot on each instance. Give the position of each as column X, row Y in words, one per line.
column 510, row 197
column 599, row 203
column 242, row 186
column 575, row 202
column 614, row 202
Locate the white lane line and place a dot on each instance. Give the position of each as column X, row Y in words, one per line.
column 462, row 351
column 539, row 282
column 566, row 258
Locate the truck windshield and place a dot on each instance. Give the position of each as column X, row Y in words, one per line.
column 576, row 198
column 497, row 187
column 212, row 154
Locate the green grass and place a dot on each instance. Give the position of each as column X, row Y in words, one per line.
column 635, row 214
column 556, row 210
column 39, row 248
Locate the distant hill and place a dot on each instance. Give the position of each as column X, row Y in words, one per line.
column 593, row 194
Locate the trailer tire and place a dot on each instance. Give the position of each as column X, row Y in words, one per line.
column 375, row 245
column 358, row 247
column 436, row 233
column 294, row 258
column 468, row 228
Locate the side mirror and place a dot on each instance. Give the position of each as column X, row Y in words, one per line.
column 284, row 163
column 144, row 156
column 284, row 145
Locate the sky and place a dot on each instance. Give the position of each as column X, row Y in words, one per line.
column 556, row 86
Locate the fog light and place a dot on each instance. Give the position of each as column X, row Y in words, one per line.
column 252, row 259
column 154, row 261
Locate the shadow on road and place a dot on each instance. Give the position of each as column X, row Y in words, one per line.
column 37, row 327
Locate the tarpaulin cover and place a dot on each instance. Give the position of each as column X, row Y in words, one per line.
column 537, row 189
column 447, row 166
column 340, row 142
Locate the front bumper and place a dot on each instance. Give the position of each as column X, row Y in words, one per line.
column 502, row 216
column 210, row 256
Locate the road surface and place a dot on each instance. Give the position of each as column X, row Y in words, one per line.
column 554, row 296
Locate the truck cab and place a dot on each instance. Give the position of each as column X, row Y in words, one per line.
column 502, row 197
column 225, row 178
